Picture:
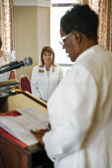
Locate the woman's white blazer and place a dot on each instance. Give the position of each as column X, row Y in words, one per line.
column 43, row 82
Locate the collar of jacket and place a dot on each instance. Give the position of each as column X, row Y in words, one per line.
column 43, row 69
column 52, row 69
column 97, row 47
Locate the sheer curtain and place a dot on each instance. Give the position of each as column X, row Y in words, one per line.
column 105, row 27
column 7, row 24
column 104, row 10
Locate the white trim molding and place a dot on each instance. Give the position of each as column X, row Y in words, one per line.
column 44, row 3
column 24, row 2
column 63, row 1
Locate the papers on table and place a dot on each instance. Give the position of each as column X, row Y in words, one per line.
column 20, row 126
column 37, row 116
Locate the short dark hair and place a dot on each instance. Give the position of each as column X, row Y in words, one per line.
column 0, row 42
column 82, row 19
column 50, row 50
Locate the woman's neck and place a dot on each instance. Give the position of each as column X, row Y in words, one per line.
column 48, row 67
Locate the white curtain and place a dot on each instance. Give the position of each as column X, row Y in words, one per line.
column 104, row 10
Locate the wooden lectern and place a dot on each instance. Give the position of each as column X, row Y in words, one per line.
column 13, row 155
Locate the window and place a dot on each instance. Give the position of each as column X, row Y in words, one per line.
column 57, row 11
column 56, row 14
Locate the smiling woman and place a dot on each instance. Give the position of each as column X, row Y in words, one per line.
column 46, row 76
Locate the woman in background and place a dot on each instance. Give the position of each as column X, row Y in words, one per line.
column 46, row 77
column 6, row 58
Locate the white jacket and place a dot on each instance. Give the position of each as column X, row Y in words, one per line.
column 80, row 114
column 6, row 59
column 43, row 82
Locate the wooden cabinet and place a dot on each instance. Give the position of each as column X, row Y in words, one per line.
column 14, row 156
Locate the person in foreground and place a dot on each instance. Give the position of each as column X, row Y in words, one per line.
column 80, row 109
column 46, row 77
column 6, row 58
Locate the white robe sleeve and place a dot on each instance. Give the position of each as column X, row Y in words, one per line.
column 60, row 74
column 71, row 111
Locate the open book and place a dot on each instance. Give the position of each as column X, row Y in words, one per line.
column 19, row 126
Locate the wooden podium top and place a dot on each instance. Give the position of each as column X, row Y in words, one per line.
column 19, row 100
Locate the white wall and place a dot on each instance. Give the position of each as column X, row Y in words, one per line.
column 32, row 32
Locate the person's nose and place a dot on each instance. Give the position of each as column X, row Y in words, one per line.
column 47, row 55
column 64, row 46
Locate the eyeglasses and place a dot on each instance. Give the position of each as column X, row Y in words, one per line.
column 64, row 38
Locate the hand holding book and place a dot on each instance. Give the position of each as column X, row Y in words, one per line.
column 39, row 134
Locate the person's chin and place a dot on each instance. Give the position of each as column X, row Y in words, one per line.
column 71, row 58
column 68, row 55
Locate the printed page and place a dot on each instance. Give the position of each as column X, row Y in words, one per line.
column 37, row 116
column 19, row 127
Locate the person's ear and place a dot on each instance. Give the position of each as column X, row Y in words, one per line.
column 78, row 37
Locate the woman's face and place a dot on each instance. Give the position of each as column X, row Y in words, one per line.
column 47, row 58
